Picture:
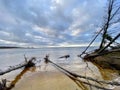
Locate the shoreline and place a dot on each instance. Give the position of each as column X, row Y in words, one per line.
column 110, row 60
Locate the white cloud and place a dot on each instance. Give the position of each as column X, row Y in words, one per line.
column 45, row 30
column 76, row 32
column 66, row 44
column 4, row 33
column 38, row 39
column 47, row 22
column 57, row 1
column 12, row 43
column 41, row 29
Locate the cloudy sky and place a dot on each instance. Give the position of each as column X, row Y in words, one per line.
column 49, row 22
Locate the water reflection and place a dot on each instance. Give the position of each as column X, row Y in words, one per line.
column 73, row 63
column 19, row 76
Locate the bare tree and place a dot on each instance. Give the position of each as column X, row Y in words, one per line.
column 111, row 18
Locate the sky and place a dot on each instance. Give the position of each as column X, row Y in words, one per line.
column 49, row 22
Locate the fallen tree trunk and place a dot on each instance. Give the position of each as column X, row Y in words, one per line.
column 28, row 63
column 77, row 77
column 88, row 56
column 108, row 59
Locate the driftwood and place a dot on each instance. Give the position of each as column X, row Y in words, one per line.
column 65, row 56
column 88, row 56
column 77, row 77
column 28, row 63
column 114, row 57
column 3, row 84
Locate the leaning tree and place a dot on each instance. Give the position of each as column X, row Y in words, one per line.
column 111, row 23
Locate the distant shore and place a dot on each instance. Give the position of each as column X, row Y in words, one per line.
column 8, row 47
column 13, row 47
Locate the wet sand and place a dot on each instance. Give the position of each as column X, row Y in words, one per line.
column 46, row 81
column 46, row 78
column 50, row 78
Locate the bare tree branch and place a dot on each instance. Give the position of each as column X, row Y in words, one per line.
column 80, row 76
column 111, row 18
column 29, row 63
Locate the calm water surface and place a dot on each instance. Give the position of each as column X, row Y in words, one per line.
column 11, row 57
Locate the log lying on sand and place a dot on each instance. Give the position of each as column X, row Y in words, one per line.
column 77, row 77
column 93, row 55
column 26, row 64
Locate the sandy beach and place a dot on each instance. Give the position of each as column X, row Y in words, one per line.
column 49, row 80
column 46, row 81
